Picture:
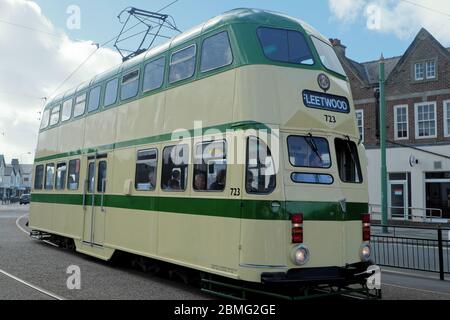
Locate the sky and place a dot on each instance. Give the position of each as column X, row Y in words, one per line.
column 44, row 41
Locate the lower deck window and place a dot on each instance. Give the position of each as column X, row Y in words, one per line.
column 309, row 152
column 146, row 166
column 61, row 171
column 175, row 168
column 312, row 178
column 74, row 174
column 210, row 169
column 348, row 161
column 49, row 176
column 261, row 173
column 39, row 178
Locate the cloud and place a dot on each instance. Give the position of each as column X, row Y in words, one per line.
column 346, row 10
column 400, row 17
column 33, row 64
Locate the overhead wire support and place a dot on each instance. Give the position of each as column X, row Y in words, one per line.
column 154, row 22
column 99, row 46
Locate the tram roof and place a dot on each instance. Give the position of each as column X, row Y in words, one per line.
column 232, row 17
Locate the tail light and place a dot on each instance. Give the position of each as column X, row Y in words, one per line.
column 366, row 227
column 297, row 228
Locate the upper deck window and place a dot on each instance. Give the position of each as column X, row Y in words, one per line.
column 94, row 99
column 328, row 56
column 67, row 110
column 309, row 152
column 111, row 92
column 45, row 119
column 348, row 161
column 54, row 116
column 80, row 105
column 285, row 46
column 182, row 64
column 216, row 52
column 130, row 85
column 154, row 74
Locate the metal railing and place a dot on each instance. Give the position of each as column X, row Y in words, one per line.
column 423, row 214
column 412, row 248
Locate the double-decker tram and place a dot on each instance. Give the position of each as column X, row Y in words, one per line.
column 231, row 150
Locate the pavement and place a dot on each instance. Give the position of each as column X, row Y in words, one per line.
column 34, row 270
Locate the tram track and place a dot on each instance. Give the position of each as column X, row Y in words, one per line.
column 31, row 286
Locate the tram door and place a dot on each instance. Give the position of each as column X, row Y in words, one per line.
column 94, row 200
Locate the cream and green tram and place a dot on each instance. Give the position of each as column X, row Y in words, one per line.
column 232, row 150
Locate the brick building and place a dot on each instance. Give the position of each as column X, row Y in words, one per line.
column 418, row 126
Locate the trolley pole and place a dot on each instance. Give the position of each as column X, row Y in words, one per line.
column 384, row 201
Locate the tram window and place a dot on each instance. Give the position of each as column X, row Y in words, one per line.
column 216, row 52
column 61, row 170
column 45, row 119
column 67, row 110
column 210, row 166
column 154, row 74
column 101, row 181
column 175, row 168
column 285, row 46
column 94, row 99
column 80, row 105
column 261, row 171
column 39, row 178
column 49, row 176
column 309, row 152
column 74, row 175
column 54, row 116
column 182, row 64
column 146, row 165
column 348, row 161
column 111, row 92
column 312, row 178
column 328, row 56
column 91, row 177
column 130, row 85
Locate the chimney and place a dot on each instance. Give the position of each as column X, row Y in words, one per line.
column 15, row 162
column 338, row 46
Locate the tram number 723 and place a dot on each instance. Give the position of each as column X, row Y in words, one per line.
column 235, row 192
column 330, row 119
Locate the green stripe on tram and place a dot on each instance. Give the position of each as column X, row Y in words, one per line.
column 245, row 209
column 222, row 128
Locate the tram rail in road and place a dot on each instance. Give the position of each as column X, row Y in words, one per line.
column 32, row 286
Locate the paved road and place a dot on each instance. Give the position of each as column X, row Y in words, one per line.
column 42, row 270
column 45, row 266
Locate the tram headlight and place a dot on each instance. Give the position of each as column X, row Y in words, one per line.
column 300, row 255
column 366, row 251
